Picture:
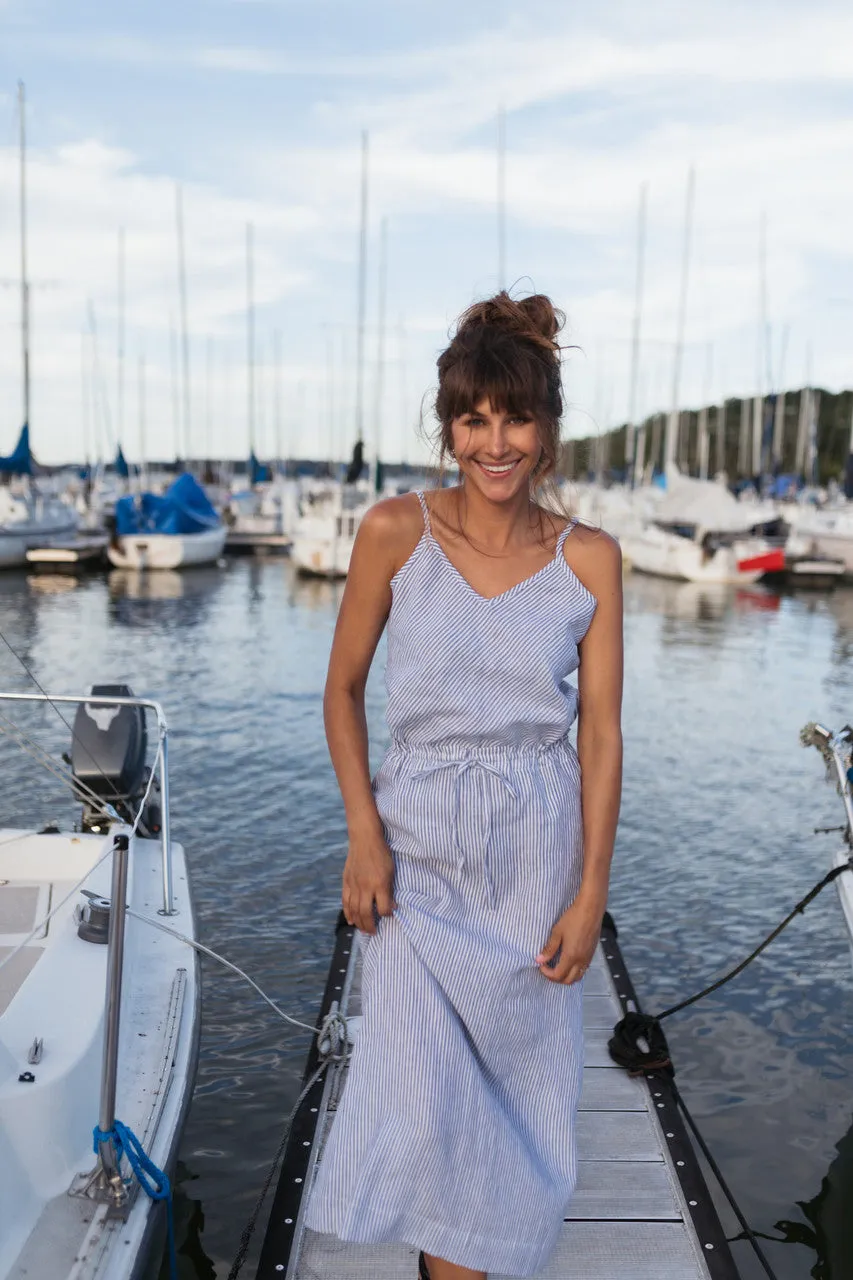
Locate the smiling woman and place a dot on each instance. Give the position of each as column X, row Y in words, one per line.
column 476, row 874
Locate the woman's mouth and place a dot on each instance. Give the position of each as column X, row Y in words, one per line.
column 497, row 470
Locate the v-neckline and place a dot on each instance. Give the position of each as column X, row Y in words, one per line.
column 473, row 590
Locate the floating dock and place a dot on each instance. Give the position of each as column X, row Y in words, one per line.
column 258, row 544
column 641, row 1210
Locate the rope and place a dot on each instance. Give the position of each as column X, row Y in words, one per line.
column 38, row 753
column 797, row 910
column 153, row 1180
column 634, row 1028
column 717, row 1172
column 332, row 1034
column 214, row 955
column 624, row 1046
column 51, row 703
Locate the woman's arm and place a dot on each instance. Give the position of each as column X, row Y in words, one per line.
column 380, row 548
column 598, row 562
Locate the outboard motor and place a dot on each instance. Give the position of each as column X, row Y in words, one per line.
column 108, row 752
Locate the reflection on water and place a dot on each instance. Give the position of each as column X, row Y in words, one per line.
column 715, row 844
column 828, row 1230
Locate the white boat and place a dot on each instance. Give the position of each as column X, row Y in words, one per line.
column 166, row 550
column 28, row 520
column 180, row 528
column 325, row 530
column 700, row 533
column 99, row 1015
column 260, row 519
column 829, row 532
column 837, row 752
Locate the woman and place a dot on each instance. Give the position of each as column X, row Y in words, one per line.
column 479, row 857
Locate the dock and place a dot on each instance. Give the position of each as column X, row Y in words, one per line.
column 642, row 1209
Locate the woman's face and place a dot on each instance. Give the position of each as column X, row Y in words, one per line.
column 496, row 451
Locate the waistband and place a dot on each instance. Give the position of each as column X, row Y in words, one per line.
column 454, row 750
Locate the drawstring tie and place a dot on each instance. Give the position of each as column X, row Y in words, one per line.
column 463, row 766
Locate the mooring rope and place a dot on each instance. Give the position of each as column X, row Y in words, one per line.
column 624, row 1048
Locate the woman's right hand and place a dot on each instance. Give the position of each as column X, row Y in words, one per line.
column 368, row 879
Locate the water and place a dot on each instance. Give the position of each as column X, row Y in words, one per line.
column 715, row 845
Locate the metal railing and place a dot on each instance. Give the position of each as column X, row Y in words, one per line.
column 161, row 762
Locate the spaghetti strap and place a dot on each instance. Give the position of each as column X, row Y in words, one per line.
column 424, row 509
column 558, row 550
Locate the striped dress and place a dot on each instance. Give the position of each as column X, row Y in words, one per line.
column 456, row 1131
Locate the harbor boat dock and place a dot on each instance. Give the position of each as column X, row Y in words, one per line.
column 642, row 1208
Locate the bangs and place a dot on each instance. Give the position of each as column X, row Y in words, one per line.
column 517, row 385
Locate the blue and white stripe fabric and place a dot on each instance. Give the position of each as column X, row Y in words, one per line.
column 455, row 1133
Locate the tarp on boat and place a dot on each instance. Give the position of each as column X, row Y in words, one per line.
column 705, row 504
column 184, row 508
column 19, row 462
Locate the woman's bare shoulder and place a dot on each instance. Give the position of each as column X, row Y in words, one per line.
column 393, row 527
column 595, row 557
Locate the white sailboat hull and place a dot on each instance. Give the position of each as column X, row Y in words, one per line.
column 166, row 550
column 322, row 557
column 55, row 990
column 666, row 555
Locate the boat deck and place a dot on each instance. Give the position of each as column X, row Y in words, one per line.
column 641, row 1209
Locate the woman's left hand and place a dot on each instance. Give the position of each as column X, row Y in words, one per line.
column 573, row 940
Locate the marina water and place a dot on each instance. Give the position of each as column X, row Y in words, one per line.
column 715, row 845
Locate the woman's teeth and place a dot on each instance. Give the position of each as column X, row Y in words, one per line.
column 500, row 470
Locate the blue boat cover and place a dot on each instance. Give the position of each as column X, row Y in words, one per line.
column 183, row 508
column 20, row 462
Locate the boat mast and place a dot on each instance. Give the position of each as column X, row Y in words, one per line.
column 674, row 413
column 185, row 339
column 120, row 345
column 501, row 201
column 636, row 442
column 277, row 398
column 25, row 287
column 761, row 345
column 141, row 407
column 362, row 295
column 779, row 409
column 380, row 353
column 250, row 336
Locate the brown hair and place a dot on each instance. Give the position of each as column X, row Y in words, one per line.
column 506, row 352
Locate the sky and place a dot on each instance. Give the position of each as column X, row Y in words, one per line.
column 252, row 112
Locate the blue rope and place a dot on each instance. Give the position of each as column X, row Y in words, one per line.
column 154, row 1182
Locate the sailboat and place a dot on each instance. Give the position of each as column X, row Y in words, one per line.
column 27, row 518
column 330, row 514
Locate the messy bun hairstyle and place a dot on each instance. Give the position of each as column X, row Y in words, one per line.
column 504, row 351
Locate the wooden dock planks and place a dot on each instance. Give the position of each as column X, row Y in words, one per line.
column 629, row 1216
